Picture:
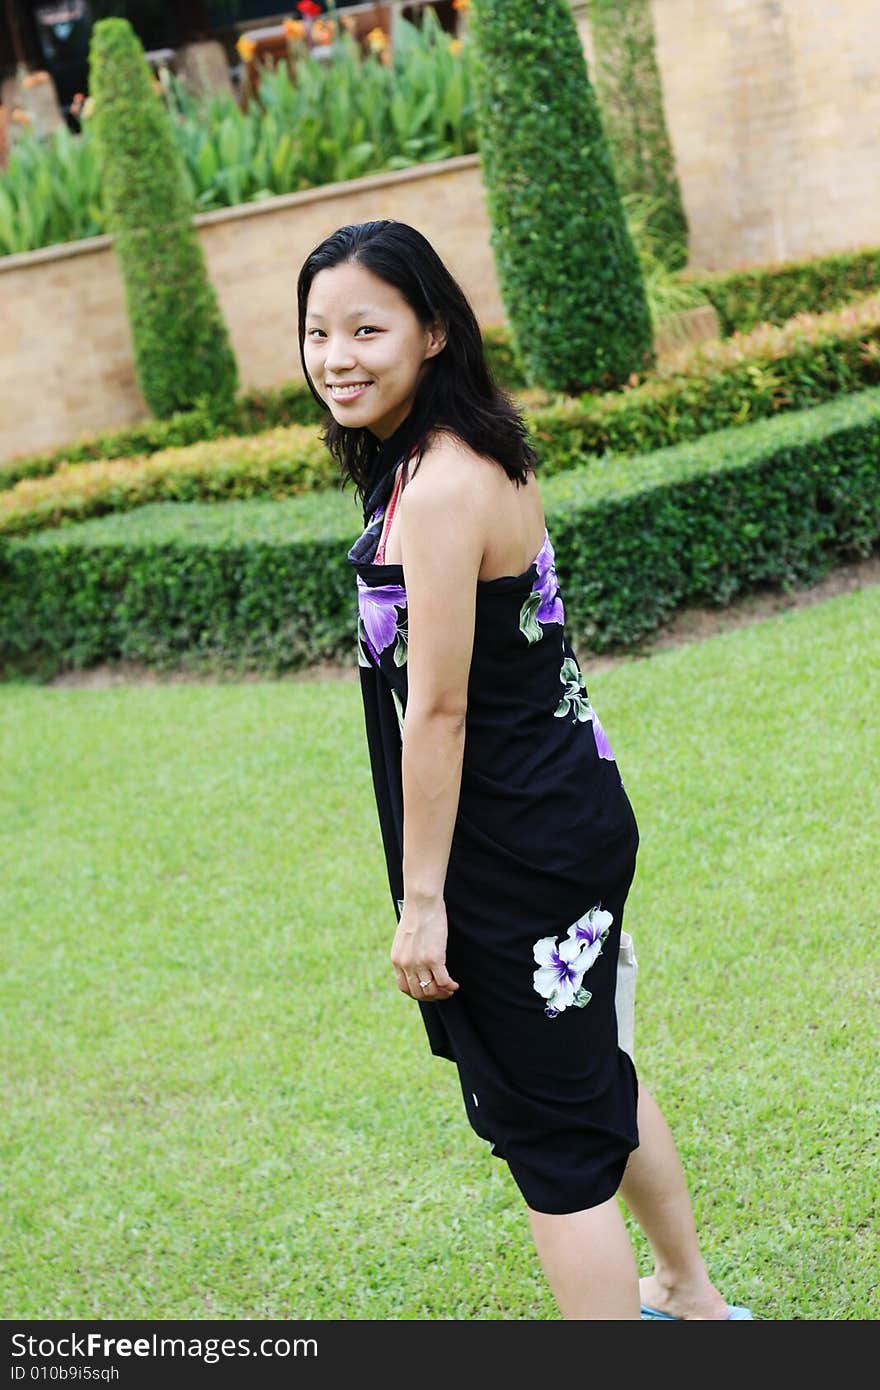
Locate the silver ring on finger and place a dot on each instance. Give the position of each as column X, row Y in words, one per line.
column 425, row 983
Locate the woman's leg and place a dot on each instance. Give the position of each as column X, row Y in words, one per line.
column 589, row 1262
column 655, row 1190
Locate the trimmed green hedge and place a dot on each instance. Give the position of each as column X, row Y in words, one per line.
column 775, row 503
column 833, row 282
column 266, row 586
column 719, row 385
column 279, row 463
column 291, row 404
column 254, row 412
column 774, row 293
column 567, row 269
column 774, row 371
column 182, row 352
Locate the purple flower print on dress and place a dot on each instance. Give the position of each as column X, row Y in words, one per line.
column 547, row 584
column 378, row 624
column 544, row 604
column 603, row 747
column 561, row 970
column 590, row 931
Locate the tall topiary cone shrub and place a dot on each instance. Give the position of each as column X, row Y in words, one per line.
column 182, row 351
column 631, row 95
column 567, row 269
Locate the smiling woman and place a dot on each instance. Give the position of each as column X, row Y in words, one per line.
column 378, row 348
column 510, row 842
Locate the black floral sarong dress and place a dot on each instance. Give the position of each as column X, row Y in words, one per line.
column 543, row 855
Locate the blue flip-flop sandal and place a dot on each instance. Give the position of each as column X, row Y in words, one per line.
column 734, row 1314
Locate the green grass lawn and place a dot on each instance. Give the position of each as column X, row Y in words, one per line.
column 216, row 1102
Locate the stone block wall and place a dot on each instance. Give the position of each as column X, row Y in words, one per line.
column 66, row 366
column 773, row 109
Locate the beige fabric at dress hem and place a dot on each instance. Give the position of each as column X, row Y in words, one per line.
column 625, row 993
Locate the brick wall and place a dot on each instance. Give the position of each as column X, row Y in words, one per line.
column 66, row 367
column 773, row 109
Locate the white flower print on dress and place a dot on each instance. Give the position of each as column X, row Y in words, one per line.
column 562, row 966
column 591, row 930
column 575, row 695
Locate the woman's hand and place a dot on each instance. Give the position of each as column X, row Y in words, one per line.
column 418, row 951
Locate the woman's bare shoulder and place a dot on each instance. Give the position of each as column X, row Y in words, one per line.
column 451, row 468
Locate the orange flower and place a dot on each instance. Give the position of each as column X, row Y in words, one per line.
column 455, row 47
column 20, row 117
column 322, row 32
column 377, row 39
column 246, row 48
column 294, row 29
column 33, row 79
column 461, row 4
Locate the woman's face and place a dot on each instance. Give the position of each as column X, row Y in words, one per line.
column 360, row 330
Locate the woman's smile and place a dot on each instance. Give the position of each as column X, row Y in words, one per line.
column 349, row 392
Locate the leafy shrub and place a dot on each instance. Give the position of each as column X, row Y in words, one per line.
column 666, row 291
column 770, row 372
column 628, row 83
column 775, row 293
column 266, row 586
column 339, row 120
column 253, row 412
column 276, row 463
column 182, row 352
column 50, row 192
column 567, row 269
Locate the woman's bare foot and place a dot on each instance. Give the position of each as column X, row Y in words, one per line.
column 704, row 1304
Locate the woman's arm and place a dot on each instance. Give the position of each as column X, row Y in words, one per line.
column 442, row 538
column 433, row 751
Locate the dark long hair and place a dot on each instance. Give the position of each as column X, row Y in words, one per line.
column 456, row 392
